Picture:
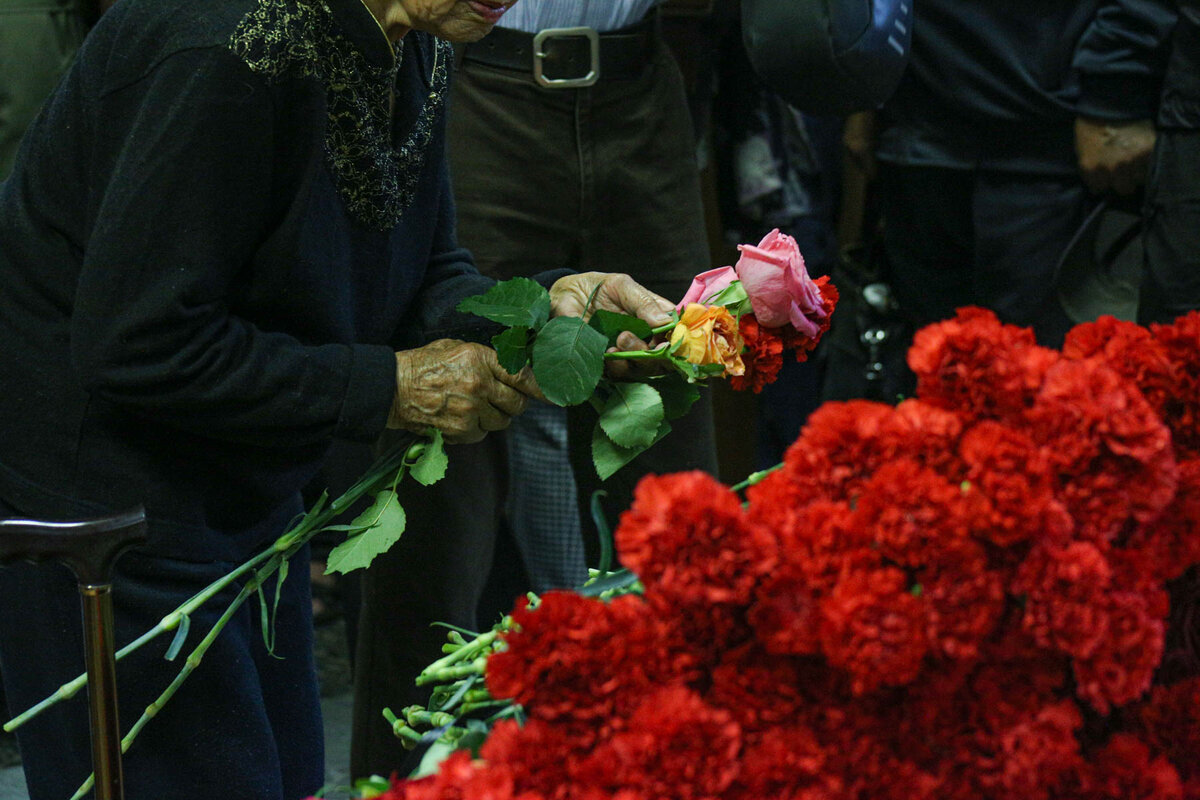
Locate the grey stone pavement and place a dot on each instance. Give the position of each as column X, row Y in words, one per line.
column 336, row 698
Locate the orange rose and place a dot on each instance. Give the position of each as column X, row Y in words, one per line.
column 709, row 335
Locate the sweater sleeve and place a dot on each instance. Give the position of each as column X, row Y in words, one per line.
column 1121, row 58
column 450, row 278
column 182, row 172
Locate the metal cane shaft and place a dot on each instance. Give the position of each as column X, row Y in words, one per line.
column 102, row 690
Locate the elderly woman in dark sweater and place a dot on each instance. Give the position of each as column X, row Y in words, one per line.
column 228, row 239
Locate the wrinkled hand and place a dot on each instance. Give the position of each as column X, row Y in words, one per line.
column 1114, row 156
column 458, row 388
column 617, row 292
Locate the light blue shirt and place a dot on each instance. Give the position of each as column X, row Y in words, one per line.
column 532, row 16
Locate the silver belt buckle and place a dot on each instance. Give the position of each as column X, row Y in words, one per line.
column 539, row 55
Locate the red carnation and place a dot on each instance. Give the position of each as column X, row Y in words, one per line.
column 816, row 543
column 977, row 366
column 1018, row 479
column 1168, row 722
column 1126, row 770
column 1171, row 543
column 763, row 355
column 787, row 762
column 926, row 434
column 912, row 513
column 673, row 745
column 763, row 691
column 874, row 628
column 1031, row 757
column 1066, row 587
column 688, row 539
column 1132, row 351
column 613, row 652
column 841, row 445
column 1122, row 666
column 964, row 600
column 1104, row 436
column 1182, row 413
column 541, row 757
column 460, row 778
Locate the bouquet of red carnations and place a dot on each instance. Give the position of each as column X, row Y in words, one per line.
column 978, row 593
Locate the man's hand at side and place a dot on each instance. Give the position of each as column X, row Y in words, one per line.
column 1114, row 156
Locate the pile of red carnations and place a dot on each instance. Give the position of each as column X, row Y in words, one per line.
column 968, row 595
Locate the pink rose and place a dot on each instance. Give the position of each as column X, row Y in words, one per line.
column 778, row 284
column 707, row 284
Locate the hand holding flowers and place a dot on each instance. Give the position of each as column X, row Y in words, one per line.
column 733, row 322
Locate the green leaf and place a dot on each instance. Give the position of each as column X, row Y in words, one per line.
column 612, row 325
column 677, row 394
column 697, row 372
column 512, row 348
column 430, row 467
column 608, row 456
column 383, row 522
column 568, row 359
column 185, row 625
column 733, row 297
column 437, row 753
column 518, row 301
column 632, row 414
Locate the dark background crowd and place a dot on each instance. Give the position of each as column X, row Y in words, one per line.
column 1039, row 158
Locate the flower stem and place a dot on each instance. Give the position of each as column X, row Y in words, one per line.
column 658, row 354
column 665, row 328
column 381, row 473
column 755, row 477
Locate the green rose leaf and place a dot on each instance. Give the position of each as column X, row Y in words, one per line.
column 696, row 372
column 733, row 297
column 568, row 359
column 632, row 415
column 612, row 324
column 512, row 348
column 430, row 466
column 518, row 301
column 677, row 394
column 608, row 456
column 381, row 524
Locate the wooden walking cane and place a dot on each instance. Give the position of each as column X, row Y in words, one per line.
column 89, row 548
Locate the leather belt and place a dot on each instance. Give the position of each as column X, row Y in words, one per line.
column 570, row 58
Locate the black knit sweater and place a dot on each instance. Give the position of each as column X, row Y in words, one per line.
column 217, row 232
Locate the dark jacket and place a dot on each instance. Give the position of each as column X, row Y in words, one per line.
column 1181, row 88
column 213, row 241
column 998, row 83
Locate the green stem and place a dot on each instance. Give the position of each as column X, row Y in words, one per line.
column 479, row 643
column 666, row 328
column 189, row 666
column 639, row 355
column 453, row 673
column 381, row 473
column 168, row 623
column 755, row 477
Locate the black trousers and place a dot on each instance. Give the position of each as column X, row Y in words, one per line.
column 959, row 237
column 603, row 179
column 1171, row 286
column 245, row 724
